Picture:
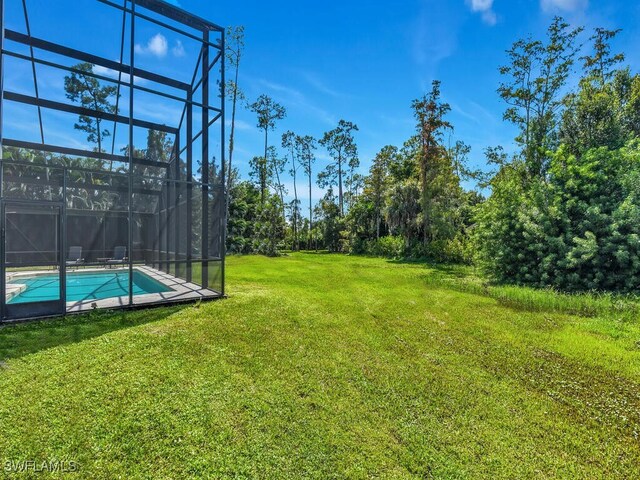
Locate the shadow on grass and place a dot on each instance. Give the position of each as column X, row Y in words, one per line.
column 314, row 252
column 453, row 269
column 17, row 340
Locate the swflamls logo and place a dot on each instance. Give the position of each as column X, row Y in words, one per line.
column 59, row 466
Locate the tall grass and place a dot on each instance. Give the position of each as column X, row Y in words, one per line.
column 591, row 304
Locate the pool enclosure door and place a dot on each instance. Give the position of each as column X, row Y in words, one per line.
column 33, row 276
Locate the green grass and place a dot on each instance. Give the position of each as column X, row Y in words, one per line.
column 325, row 366
column 596, row 304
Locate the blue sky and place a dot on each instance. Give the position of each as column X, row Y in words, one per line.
column 361, row 61
column 366, row 61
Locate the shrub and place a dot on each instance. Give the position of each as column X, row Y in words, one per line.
column 389, row 246
column 576, row 230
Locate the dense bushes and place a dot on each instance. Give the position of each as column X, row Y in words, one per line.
column 457, row 250
column 565, row 211
column 578, row 229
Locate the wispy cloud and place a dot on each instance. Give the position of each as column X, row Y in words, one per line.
column 485, row 9
column 157, row 46
column 178, row 49
column 563, row 5
column 292, row 98
column 402, row 121
column 435, row 35
column 240, row 125
column 475, row 113
column 108, row 72
column 165, row 113
column 313, row 80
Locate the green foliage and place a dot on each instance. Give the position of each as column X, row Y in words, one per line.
column 306, row 146
column 89, row 93
column 389, row 246
column 602, row 115
column 570, row 221
column 296, row 149
column 260, row 173
column 268, row 112
column 403, row 210
column 330, row 223
column 244, row 205
column 343, row 150
column 600, row 65
column 269, row 227
column 534, row 79
column 454, row 250
column 577, row 231
column 437, row 181
column 563, row 210
column 604, row 305
column 416, row 196
column 498, row 235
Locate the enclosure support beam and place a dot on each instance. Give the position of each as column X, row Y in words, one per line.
column 63, row 107
column 2, row 230
column 96, row 60
column 104, row 78
column 209, row 67
column 76, row 152
column 176, row 217
column 131, row 148
column 63, row 242
column 163, row 24
column 222, row 217
column 189, row 184
column 205, row 161
column 174, row 13
column 33, row 67
column 117, row 110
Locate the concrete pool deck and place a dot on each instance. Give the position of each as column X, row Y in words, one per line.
column 181, row 290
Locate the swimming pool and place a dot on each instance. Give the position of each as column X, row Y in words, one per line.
column 85, row 286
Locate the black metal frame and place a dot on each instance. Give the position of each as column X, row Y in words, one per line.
column 210, row 36
column 53, row 306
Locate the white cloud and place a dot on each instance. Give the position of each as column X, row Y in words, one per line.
column 481, row 5
column 489, row 17
column 485, row 9
column 178, row 49
column 564, row 5
column 108, row 72
column 157, row 45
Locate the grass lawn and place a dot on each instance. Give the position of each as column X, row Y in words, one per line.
column 328, row 366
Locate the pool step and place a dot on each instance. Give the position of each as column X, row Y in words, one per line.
column 13, row 289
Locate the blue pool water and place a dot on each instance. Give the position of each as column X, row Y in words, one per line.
column 86, row 286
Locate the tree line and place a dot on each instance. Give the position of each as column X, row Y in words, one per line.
column 562, row 210
column 410, row 204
